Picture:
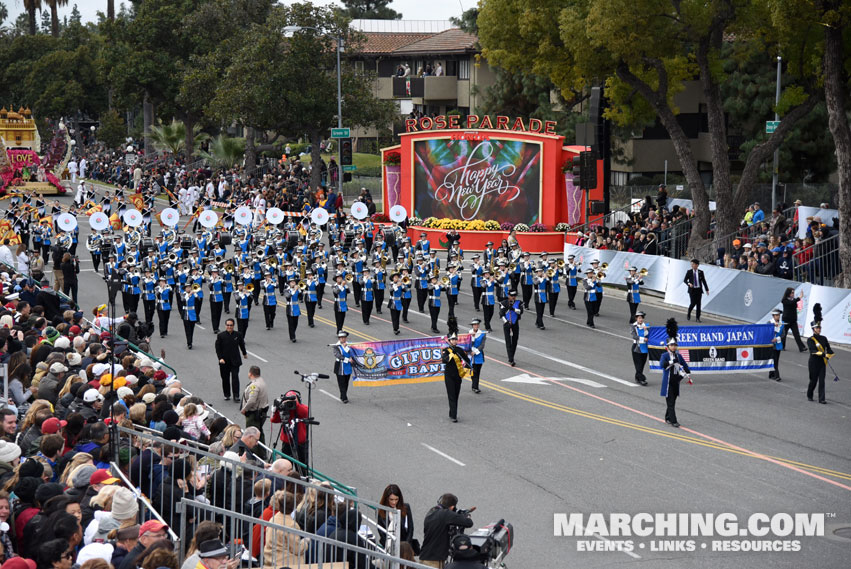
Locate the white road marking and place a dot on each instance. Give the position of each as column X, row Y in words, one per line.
column 331, row 395
column 265, row 361
column 201, row 327
column 526, row 378
column 443, row 454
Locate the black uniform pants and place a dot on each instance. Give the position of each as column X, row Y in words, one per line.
column 695, row 296
column 793, row 326
column 343, row 384
column 394, row 318
column 320, row 292
column 553, row 299
column 356, row 287
column 453, row 390
column 453, row 300
column 671, row 399
column 200, row 304
column 311, row 310
column 639, row 360
column 434, row 312
column 379, row 299
column 216, row 314
column 366, row 310
column 150, row 307
column 817, row 373
column 477, row 297
column 477, row 371
column 96, row 261
column 226, row 297
column 292, row 325
column 340, row 318
column 571, row 295
column 633, row 308
column 189, row 328
column 527, row 295
column 512, row 334
column 406, row 304
column 589, row 309
column 269, row 314
column 242, row 326
column 163, row 316
column 133, row 302
column 775, row 373
column 256, row 292
column 422, row 294
column 488, row 309
column 539, row 314
column 230, row 379
column 598, row 304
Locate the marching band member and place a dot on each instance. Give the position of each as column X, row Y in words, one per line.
column 421, row 274
column 478, row 337
column 190, row 314
column 476, row 272
column 434, row 290
column 395, row 303
column 366, row 284
column 590, row 283
column 340, row 290
column 270, row 301
column 540, row 283
column 640, row 334
column 778, row 342
column 292, row 296
column 343, row 364
column 527, row 276
column 163, row 298
column 455, row 280
column 595, row 264
column 555, row 286
column 197, row 278
column 406, row 294
column 504, row 280
column 673, row 365
column 380, row 276
column 149, row 295
column 217, row 298
column 134, row 290
column 571, row 277
column 820, row 354
column 321, row 269
column 453, row 358
column 510, row 310
column 423, row 246
column 488, row 298
column 310, row 295
column 633, row 296
column 227, row 290
column 244, row 300
column 490, row 255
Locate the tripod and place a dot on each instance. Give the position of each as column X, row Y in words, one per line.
column 310, row 380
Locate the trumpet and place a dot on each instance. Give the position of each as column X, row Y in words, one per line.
column 172, row 258
column 550, row 273
column 601, row 275
column 302, row 285
column 511, row 267
column 644, row 272
column 406, row 281
column 196, row 287
column 560, row 263
column 604, row 266
column 249, row 287
column 229, row 268
column 444, row 281
column 349, row 278
column 436, row 272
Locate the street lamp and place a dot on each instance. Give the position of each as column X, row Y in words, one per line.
column 289, row 31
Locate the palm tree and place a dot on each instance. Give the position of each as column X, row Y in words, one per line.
column 224, row 152
column 31, row 6
column 54, row 15
column 172, row 137
column 110, row 10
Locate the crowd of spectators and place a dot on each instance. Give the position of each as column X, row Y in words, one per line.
column 765, row 244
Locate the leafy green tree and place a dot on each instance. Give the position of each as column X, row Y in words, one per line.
column 644, row 51
column 44, row 26
column 172, row 137
column 112, row 129
column 224, row 152
column 370, row 9
column 467, row 21
column 4, row 13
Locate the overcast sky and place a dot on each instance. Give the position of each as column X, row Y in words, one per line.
column 410, row 9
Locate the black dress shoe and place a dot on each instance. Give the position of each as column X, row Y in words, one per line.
column 215, row 331
column 311, row 326
column 823, row 402
column 396, row 332
column 802, row 350
column 675, row 425
column 293, row 340
column 345, row 401
column 810, row 399
column 513, row 363
column 688, row 316
column 591, row 326
column 227, row 397
column 476, row 390
column 406, row 321
column 643, row 382
column 188, row 346
column 697, row 319
column 543, row 327
column 667, row 421
column 454, row 420
column 777, row 379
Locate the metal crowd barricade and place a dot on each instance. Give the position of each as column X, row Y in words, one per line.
column 146, row 510
column 822, row 266
column 295, row 548
column 166, row 472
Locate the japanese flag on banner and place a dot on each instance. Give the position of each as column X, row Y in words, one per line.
column 744, row 354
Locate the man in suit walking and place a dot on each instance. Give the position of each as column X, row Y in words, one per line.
column 696, row 283
column 229, row 346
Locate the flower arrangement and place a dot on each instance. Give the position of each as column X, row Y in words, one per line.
column 430, row 222
column 393, row 158
column 562, row 226
column 476, row 225
column 537, row 228
column 521, row 228
column 507, row 226
column 491, row 225
column 380, row 217
column 415, row 221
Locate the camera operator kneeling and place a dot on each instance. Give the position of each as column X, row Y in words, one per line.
column 464, row 554
column 438, row 528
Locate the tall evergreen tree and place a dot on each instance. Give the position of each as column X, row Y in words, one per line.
column 371, row 10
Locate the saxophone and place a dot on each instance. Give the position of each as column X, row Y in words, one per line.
column 462, row 371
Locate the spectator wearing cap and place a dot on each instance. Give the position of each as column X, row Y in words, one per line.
column 10, row 455
column 149, row 532
column 29, row 434
column 92, row 404
column 49, row 426
column 758, row 213
column 50, row 384
column 125, row 540
column 97, row 480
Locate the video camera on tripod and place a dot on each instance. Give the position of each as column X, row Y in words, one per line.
column 488, row 545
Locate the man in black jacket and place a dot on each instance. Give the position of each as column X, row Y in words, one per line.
column 453, row 358
column 696, row 283
column 436, row 526
column 229, row 346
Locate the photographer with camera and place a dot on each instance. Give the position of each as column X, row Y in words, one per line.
column 134, row 331
column 440, row 524
column 293, row 413
column 464, row 554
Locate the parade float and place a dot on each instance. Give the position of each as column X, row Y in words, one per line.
column 21, row 168
column 485, row 177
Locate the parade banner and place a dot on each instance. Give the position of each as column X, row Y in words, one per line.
column 399, row 362
column 717, row 349
column 496, row 179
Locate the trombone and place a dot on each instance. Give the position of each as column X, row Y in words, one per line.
column 406, row 281
column 560, row 263
column 349, row 278
column 644, row 272
column 444, row 281
column 196, row 287
column 249, row 287
column 550, row 273
column 601, row 275
column 302, row 285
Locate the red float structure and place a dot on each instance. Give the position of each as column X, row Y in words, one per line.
column 504, row 171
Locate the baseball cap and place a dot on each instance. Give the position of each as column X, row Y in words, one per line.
column 92, row 395
column 52, row 426
column 151, row 525
column 19, row 563
column 102, row 476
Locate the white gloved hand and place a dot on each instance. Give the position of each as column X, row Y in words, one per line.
column 476, row 351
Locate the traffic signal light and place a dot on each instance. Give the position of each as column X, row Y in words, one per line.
column 346, row 151
column 577, row 171
column 347, row 176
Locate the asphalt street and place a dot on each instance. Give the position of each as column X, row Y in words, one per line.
column 566, row 431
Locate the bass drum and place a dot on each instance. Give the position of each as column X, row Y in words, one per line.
column 292, row 239
column 225, row 238
column 389, row 236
